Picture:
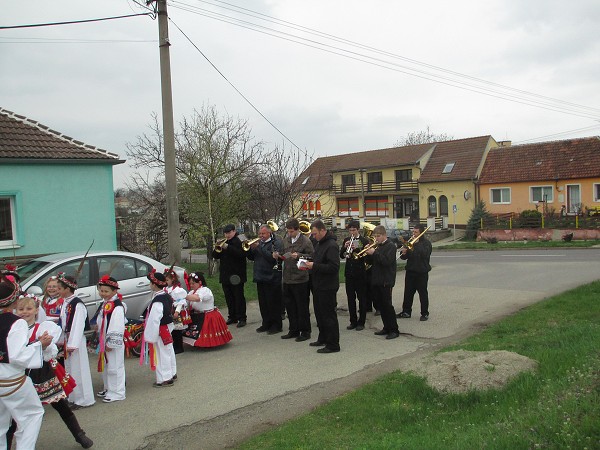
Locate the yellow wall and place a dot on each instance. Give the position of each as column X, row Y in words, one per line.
column 455, row 193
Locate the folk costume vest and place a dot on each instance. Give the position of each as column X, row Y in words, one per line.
column 6, row 322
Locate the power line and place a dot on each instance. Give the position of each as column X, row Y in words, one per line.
column 72, row 22
column 495, row 90
column 44, row 40
column 562, row 133
column 238, row 91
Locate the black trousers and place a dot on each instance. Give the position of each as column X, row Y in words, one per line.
column 382, row 296
column 236, row 301
column 416, row 282
column 296, row 300
column 356, row 288
column 269, row 303
column 324, row 303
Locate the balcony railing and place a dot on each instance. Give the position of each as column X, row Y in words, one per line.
column 387, row 186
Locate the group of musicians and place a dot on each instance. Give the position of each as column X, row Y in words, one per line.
column 307, row 260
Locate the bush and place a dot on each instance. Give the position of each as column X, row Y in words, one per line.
column 474, row 224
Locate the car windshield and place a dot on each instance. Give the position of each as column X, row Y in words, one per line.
column 26, row 270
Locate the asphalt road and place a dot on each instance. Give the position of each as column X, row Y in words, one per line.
column 257, row 381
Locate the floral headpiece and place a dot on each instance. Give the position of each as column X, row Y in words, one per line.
column 67, row 280
column 9, row 292
column 157, row 278
column 11, row 270
column 108, row 281
column 31, row 296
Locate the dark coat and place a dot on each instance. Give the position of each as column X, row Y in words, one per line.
column 417, row 259
column 264, row 262
column 326, row 264
column 302, row 246
column 354, row 267
column 233, row 261
column 383, row 272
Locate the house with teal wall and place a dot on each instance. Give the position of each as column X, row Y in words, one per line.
column 56, row 193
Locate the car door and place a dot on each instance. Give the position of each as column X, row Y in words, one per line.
column 131, row 273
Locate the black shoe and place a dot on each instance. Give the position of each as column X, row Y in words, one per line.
column 377, row 313
column 289, row 335
column 230, row 321
column 380, row 333
column 178, row 351
column 261, row 329
column 175, row 377
column 393, row 335
column 352, row 326
column 83, row 440
column 274, row 331
column 403, row 315
column 303, row 337
column 241, row 324
column 327, row 350
column 359, row 327
column 317, row 344
column 424, row 318
column 167, row 383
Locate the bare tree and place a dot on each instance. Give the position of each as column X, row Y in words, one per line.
column 422, row 137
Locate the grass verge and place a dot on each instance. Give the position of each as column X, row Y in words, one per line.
column 557, row 407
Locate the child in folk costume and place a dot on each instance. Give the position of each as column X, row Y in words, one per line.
column 111, row 327
column 158, row 342
column 181, row 314
column 51, row 381
column 208, row 327
column 74, row 322
column 51, row 302
column 18, row 397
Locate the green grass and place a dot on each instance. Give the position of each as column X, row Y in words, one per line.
column 554, row 408
column 464, row 245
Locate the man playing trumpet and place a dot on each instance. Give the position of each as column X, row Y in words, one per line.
column 356, row 276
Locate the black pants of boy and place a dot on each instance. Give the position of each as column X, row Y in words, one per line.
column 382, row 296
column 324, row 304
column 356, row 288
column 416, row 282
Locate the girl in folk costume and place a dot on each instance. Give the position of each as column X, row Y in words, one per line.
column 74, row 322
column 208, row 327
column 181, row 314
column 111, row 327
column 157, row 342
column 18, row 397
column 51, row 302
column 51, row 381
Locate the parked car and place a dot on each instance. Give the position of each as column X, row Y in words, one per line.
column 129, row 269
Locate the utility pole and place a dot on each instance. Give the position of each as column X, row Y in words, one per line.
column 168, row 134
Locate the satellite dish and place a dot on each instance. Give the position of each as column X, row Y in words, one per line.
column 467, row 195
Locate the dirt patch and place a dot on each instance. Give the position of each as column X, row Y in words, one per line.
column 462, row 371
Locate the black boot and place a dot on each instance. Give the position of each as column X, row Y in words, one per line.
column 78, row 433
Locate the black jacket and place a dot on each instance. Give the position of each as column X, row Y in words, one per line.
column 417, row 259
column 383, row 272
column 233, row 261
column 264, row 262
column 354, row 267
column 326, row 264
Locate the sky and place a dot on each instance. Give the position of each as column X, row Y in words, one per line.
column 333, row 76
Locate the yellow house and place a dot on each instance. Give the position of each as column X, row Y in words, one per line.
column 313, row 190
column 558, row 176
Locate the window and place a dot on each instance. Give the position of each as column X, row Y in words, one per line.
column 596, row 193
column 305, row 180
column 448, row 167
column 542, row 193
column 7, row 220
column 376, row 206
column 404, row 175
column 432, row 202
column 500, row 195
column 443, row 205
column 374, row 178
column 348, row 206
column 71, row 268
column 348, row 180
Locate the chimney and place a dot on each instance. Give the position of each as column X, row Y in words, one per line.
column 504, row 143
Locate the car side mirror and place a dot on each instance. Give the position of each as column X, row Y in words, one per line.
column 35, row 290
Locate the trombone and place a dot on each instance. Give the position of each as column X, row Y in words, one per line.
column 409, row 245
column 219, row 245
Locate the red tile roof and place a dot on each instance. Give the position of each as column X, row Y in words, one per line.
column 568, row 159
column 371, row 159
column 25, row 139
column 466, row 154
column 317, row 176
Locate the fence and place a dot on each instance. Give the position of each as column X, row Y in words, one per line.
column 510, row 221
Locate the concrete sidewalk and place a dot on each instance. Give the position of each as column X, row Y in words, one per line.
column 257, row 380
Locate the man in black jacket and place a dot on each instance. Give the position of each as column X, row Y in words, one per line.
column 356, row 276
column 232, row 275
column 383, row 279
column 417, row 274
column 325, row 268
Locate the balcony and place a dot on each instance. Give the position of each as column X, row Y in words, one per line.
column 405, row 187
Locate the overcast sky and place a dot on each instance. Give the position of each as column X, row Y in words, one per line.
column 100, row 82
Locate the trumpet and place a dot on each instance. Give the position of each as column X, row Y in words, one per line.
column 304, row 227
column 219, row 245
column 350, row 248
column 409, row 245
column 248, row 243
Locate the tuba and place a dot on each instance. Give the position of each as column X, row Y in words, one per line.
column 219, row 245
column 304, row 227
column 272, row 225
column 368, row 233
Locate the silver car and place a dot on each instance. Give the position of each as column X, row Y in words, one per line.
column 129, row 269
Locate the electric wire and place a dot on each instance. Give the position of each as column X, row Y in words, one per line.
column 568, row 109
column 45, row 40
column 562, row 133
column 71, row 22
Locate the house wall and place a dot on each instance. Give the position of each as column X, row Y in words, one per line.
column 60, row 207
column 520, row 195
column 459, row 193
